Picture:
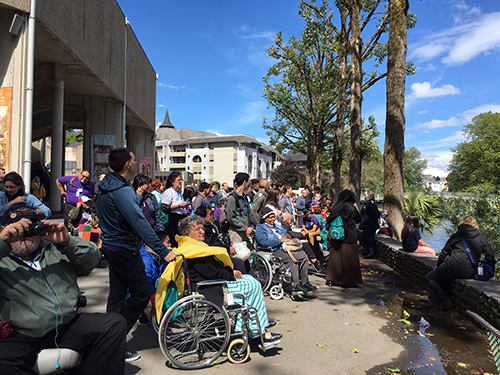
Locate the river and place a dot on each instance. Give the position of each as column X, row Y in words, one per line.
column 439, row 236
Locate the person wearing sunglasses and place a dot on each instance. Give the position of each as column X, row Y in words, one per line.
column 73, row 188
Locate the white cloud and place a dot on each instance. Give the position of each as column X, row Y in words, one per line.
column 247, row 32
column 474, row 34
column 462, row 118
column 162, row 106
column 170, row 86
column 437, row 163
column 424, row 90
column 422, row 112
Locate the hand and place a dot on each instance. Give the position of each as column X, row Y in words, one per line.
column 92, row 223
column 237, row 274
column 249, row 231
column 184, row 204
column 56, row 233
column 63, row 194
column 15, row 231
column 39, row 212
column 18, row 200
column 283, row 239
column 170, row 256
column 232, row 250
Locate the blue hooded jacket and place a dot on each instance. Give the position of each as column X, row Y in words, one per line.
column 121, row 220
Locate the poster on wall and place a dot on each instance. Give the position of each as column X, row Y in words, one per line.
column 145, row 166
column 5, row 116
column 102, row 145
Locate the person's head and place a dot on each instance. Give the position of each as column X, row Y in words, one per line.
column 2, row 173
column 188, row 193
column 240, row 179
column 122, row 160
column 411, row 222
column 205, row 213
column 222, row 202
column 204, row 188
column 384, row 213
column 268, row 216
column 287, row 190
column 304, row 193
column 155, row 185
column 264, row 184
column 213, row 188
column 84, row 176
column 164, row 238
column 192, row 226
column 84, row 202
column 141, row 181
column 369, row 195
column 279, row 186
column 174, row 180
column 225, row 186
column 316, row 208
column 272, row 198
column 37, row 179
column 287, row 218
column 307, row 214
column 317, row 190
column 25, row 247
column 255, row 184
column 469, row 220
column 14, row 184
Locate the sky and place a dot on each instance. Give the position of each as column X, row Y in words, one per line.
column 210, row 57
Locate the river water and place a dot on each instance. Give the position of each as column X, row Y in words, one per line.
column 439, row 236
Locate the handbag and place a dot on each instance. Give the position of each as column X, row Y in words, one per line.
column 292, row 244
column 336, row 231
column 242, row 251
column 484, row 271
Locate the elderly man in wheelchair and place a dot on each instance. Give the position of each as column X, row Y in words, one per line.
column 270, row 234
column 197, row 328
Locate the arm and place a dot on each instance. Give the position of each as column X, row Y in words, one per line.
column 233, row 218
column 266, row 238
column 210, row 270
column 60, row 185
column 159, row 220
column 34, row 202
column 489, row 255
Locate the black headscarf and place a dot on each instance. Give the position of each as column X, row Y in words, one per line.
column 346, row 199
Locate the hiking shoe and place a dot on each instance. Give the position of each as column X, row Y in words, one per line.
column 131, row 356
column 309, row 287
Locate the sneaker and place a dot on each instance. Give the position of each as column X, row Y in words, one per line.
column 143, row 320
column 131, row 356
column 299, row 289
column 271, row 323
column 310, row 287
column 274, row 337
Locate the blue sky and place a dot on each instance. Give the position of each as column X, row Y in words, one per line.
column 210, row 57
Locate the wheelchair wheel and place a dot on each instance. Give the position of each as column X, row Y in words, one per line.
column 276, row 292
column 261, row 270
column 154, row 321
column 236, row 352
column 194, row 332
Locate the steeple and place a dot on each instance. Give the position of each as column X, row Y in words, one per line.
column 166, row 122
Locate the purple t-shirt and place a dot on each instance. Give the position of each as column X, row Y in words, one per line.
column 75, row 189
column 309, row 223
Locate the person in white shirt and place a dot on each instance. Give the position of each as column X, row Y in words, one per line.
column 173, row 204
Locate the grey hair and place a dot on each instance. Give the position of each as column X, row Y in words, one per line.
column 188, row 223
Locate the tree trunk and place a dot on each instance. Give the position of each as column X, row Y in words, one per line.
column 338, row 152
column 312, row 169
column 395, row 117
column 356, row 99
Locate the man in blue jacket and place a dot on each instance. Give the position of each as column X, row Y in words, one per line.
column 124, row 230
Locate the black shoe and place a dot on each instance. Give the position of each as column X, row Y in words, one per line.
column 350, row 285
column 299, row 289
column 131, row 356
column 330, row 283
column 143, row 320
column 310, row 287
column 274, row 337
column 271, row 323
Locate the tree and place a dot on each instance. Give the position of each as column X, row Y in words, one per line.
column 395, row 117
column 414, row 167
column 474, row 165
column 302, row 88
column 74, row 136
column 426, row 207
column 286, row 173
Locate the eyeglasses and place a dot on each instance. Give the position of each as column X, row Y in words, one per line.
column 11, row 187
column 85, row 177
column 199, row 229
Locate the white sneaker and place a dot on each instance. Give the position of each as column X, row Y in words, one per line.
column 131, row 356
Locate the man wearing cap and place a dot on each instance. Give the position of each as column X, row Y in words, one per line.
column 39, row 298
column 123, row 232
column 76, row 187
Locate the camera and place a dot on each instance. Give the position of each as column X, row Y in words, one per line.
column 36, row 229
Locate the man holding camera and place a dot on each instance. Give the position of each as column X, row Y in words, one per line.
column 39, row 297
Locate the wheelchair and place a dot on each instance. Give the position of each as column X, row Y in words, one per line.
column 194, row 331
column 271, row 272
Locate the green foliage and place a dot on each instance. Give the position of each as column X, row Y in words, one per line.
column 286, row 173
column 484, row 208
column 414, row 168
column 481, row 149
column 426, row 207
column 74, row 136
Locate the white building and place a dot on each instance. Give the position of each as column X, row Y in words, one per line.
column 211, row 157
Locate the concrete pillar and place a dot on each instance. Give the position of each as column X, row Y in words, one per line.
column 58, row 141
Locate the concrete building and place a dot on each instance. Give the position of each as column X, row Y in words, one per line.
column 90, row 72
column 211, row 157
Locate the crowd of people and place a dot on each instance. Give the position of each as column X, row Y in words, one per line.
column 205, row 222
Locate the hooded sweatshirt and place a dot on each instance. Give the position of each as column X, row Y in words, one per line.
column 121, row 220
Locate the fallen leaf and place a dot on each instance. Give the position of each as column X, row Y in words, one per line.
column 347, row 324
column 393, row 369
column 460, row 364
column 215, row 364
column 420, row 333
column 322, row 346
column 355, row 350
column 432, row 359
column 407, row 322
column 403, row 292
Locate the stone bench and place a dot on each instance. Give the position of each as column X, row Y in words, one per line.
column 481, row 297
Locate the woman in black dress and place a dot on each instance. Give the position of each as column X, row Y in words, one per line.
column 370, row 216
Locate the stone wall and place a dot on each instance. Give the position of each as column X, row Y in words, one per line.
column 481, row 297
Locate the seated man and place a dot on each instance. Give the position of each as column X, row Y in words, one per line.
column 39, row 298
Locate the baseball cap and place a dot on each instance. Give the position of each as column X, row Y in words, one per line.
column 83, row 199
column 16, row 213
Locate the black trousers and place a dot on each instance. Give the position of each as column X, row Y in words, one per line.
column 127, row 275
column 173, row 226
column 67, row 208
column 101, row 338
